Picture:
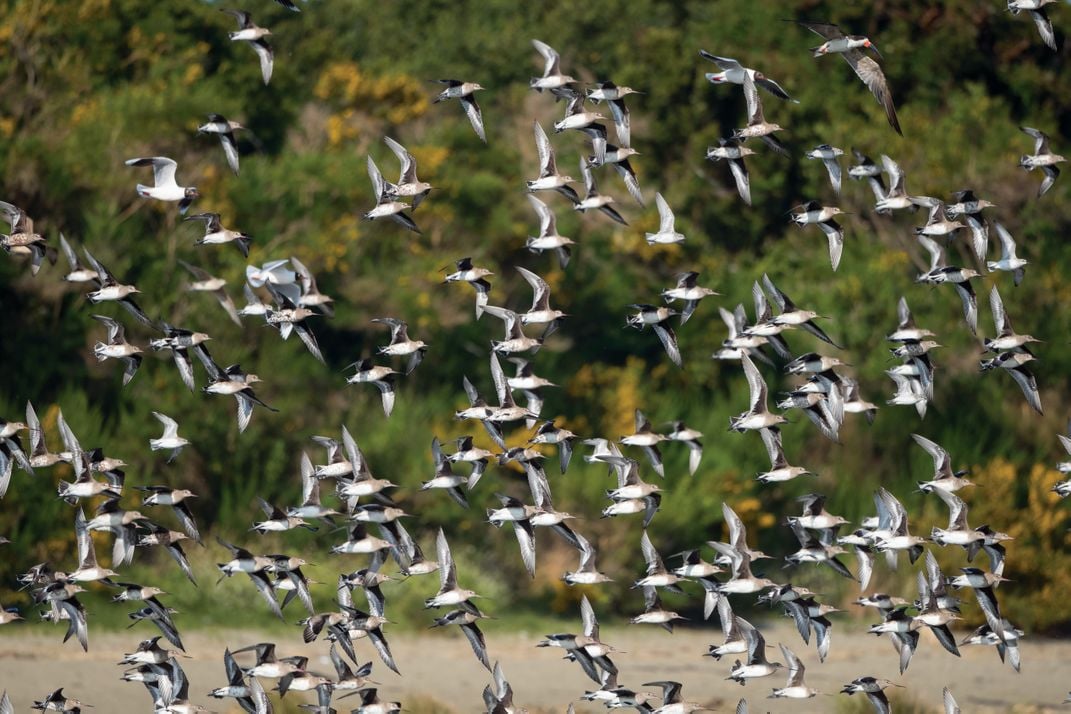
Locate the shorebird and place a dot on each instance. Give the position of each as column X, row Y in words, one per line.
column 1036, row 8
column 467, row 452
column 117, row 347
column 896, row 197
column 958, row 277
column 614, row 95
column 248, row 31
column 109, row 289
column 466, row 618
column 548, row 433
column 540, row 313
column 795, row 688
column 449, row 593
column 224, row 128
column 387, row 206
column 256, row 568
column 180, row 341
column 23, row 240
column 866, row 168
column 594, row 199
column 408, row 186
column 207, row 283
column 690, row 438
column 311, row 297
column 828, row 155
column 815, row 212
column 216, row 234
column 617, row 156
column 58, row 701
column 1008, row 261
column 552, row 76
column 791, row 316
column 734, row 153
column 476, row 277
column 1014, row 362
column 165, row 187
column 891, row 534
column 655, row 316
column 1006, row 338
column 735, row 73
column 653, row 612
column 464, row 91
column 176, row 499
column 277, row 520
column 548, row 238
column 756, row 664
column 852, row 49
column 515, row 340
column 237, row 688
column 444, row 476
column 647, row 439
column 528, row 382
column 874, row 689
column 1042, row 158
column 780, row 470
column 588, row 651
column 170, row 438
column 586, row 573
column 732, row 628
column 549, row 179
column 667, row 233
column 657, row 575
column 400, row 343
column 578, row 118
column 757, row 126
column 87, row 570
column 382, row 377
column 79, row 273
column 274, row 272
column 40, row 456
column 944, row 478
column 758, row 415
column 1007, row 646
column 672, row 701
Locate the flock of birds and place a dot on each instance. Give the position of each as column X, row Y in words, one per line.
column 284, row 293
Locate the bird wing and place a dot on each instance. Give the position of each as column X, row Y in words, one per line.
column 472, row 110
column 547, row 223
column 550, row 55
column 163, row 169
column 950, row 702
column 1029, row 385
column 755, row 384
column 541, row 296
column 827, row 30
column 665, row 215
column 724, row 63
column 1044, row 25
column 170, row 425
column 870, row 72
column 267, row 58
column 230, row 150
column 545, row 150
column 408, row 170
column 526, row 540
column 743, row 180
column 669, row 341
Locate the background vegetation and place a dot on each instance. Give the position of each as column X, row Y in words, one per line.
column 87, row 85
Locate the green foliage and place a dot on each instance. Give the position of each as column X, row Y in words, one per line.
column 91, row 84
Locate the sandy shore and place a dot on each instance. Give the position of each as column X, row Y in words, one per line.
column 443, row 669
